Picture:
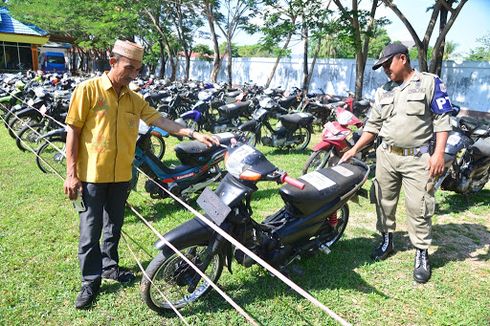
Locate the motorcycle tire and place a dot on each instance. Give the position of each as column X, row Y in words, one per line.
column 342, row 219
column 50, row 156
column 157, row 146
column 170, row 274
column 18, row 123
column 251, row 138
column 318, row 160
column 27, row 137
column 192, row 124
column 305, row 134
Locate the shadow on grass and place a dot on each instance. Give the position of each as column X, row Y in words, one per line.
column 158, row 209
column 455, row 203
column 456, row 242
column 459, row 242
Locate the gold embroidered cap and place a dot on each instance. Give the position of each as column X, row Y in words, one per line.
column 129, row 50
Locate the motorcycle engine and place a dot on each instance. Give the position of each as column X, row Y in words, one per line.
column 219, row 128
column 158, row 193
column 266, row 140
column 279, row 140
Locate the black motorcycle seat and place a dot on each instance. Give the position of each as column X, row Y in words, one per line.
column 322, row 187
column 469, row 123
column 155, row 98
column 482, row 147
column 233, row 94
column 194, row 152
column 287, row 102
column 294, row 120
column 234, row 109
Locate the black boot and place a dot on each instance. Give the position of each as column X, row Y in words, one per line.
column 385, row 248
column 421, row 272
column 87, row 294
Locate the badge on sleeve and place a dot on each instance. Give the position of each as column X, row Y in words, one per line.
column 440, row 102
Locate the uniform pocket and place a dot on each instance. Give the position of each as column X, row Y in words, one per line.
column 415, row 104
column 386, row 105
column 428, row 205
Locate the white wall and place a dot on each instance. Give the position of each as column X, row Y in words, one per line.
column 468, row 83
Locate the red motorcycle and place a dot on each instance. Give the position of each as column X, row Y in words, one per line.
column 337, row 137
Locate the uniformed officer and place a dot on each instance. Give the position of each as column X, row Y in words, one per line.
column 408, row 111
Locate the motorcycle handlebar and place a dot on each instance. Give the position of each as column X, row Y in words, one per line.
column 292, row 181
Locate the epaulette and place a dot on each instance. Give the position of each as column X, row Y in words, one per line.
column 430, row 74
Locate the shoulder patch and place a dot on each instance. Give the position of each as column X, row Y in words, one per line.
column 440, row 101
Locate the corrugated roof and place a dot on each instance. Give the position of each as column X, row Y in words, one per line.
column 13, row 26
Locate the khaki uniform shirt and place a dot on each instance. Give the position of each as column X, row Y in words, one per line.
column 109, row 129
column 402, row 114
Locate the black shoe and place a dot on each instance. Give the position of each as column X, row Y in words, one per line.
column 421, row 271
column 385, row 248
column 121, row 275
column 87, row 294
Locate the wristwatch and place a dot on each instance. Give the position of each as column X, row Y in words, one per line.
column 191, row 134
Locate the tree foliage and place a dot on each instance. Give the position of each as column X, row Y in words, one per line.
column 481, row 52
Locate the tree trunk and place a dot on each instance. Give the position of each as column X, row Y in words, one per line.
column 361, row 56
column 436, row 62
column 217, row 59
column 187, row 65
column 312, row 66
column 422, row 53
column 271, row 75
column 360, row 68
column 173, row 68
column 163, row 59
column 229, row 63
column 305, row 59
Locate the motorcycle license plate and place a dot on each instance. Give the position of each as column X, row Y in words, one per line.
column 214, row 207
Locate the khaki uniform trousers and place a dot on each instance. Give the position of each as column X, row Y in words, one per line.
column 393, row 171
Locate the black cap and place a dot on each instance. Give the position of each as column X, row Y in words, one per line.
column 388, row 52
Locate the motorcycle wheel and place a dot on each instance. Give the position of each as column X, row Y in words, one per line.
column 304, row 135
column 50, row 156
column 171, row 275
column 251, row 138
column 16, row 124
column 157, row 146
column 27, row 137
column 338, row 230
column 318, row 160
column 193, row 124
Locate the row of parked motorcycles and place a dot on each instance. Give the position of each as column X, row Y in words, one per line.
column 315, row 211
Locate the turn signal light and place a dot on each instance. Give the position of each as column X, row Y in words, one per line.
column 250, row 176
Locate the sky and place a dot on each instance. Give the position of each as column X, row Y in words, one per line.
column 472, row 22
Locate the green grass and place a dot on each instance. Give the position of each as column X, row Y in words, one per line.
column 39, row 272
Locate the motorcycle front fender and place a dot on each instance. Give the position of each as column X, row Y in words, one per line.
column 191, row 115
column 57, row 133
column 338, row 144
column 28, row 112
column 189, row 233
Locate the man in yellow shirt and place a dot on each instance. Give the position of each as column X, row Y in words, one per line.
column 102, row 125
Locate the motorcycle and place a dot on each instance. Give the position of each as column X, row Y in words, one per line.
column 338, row 137
column 202, row 117
column 312, row 219
column 467, row 157
column 293, row 131
column 199, row 168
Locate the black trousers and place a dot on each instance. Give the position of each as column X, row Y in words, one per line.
column 104, row 216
